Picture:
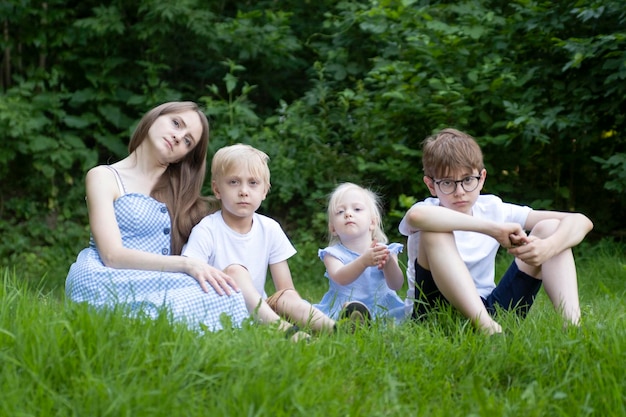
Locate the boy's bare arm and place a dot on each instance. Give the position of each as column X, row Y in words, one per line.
column 571, row 230
column 281, row 275
column 573, row 227
column 441, row 219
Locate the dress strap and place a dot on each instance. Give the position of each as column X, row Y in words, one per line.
column 118, row 178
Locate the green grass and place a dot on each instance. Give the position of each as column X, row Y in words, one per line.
column 60, row 359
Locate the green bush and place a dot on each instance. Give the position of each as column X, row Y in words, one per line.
column 332, row 91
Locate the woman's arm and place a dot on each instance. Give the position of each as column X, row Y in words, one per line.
column 102, row 190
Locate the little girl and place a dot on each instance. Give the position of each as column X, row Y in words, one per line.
column 362, row 270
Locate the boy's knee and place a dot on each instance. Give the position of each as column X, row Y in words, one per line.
column 432, row 243
column 284, row 295
column 436, row 238
column 236, row 270
column 545, row 228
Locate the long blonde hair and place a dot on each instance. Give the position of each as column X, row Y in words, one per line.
column 371, row 200
column 180, row 186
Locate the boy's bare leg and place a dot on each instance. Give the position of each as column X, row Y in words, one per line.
column 438, row 253
column 298, row 310
column 558, row 274
column 254, row 303
column 561, row 284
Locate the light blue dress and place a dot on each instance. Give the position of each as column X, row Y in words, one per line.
column 145, row 225
column 370, row 288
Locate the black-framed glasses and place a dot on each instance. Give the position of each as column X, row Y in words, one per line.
column 469, row 184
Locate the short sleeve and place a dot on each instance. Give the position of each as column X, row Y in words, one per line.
column 395, row 248
column 404, row 227
column 337, row 251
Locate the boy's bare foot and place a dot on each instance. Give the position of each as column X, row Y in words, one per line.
column 489, row 328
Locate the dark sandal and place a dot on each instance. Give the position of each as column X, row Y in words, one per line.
column 356, row 309
column 291, row 331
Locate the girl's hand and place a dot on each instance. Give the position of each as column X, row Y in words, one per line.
column 376, row 255
column 220, row 281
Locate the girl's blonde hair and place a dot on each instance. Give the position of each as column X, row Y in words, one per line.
column 371, row 200
column 230, row 157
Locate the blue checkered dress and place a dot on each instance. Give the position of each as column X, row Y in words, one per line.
column 145, row 225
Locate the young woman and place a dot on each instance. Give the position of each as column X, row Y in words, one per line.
column 141, row 212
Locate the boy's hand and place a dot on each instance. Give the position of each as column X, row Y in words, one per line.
column 534, row 251
column 510, row 235
column 517, row 240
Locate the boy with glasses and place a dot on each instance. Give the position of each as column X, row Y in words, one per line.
column 454, row 236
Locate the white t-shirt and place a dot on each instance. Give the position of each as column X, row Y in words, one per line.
column 265, row 244
column 477, row 250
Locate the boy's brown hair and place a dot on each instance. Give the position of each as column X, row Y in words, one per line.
column 449, row 150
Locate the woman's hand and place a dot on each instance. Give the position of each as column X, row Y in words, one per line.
column 203, row 273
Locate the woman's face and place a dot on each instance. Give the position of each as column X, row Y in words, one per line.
column 175, row 134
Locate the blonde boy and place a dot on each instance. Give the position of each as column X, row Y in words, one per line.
column 237, row 234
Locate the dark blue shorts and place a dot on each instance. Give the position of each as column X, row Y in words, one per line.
column 516, row 291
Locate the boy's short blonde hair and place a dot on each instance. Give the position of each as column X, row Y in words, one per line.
column 232, row 157
column 449, row 150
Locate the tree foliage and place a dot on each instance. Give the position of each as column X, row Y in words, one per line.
column 332, row 91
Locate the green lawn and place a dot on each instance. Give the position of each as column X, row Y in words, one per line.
column 65, row 360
